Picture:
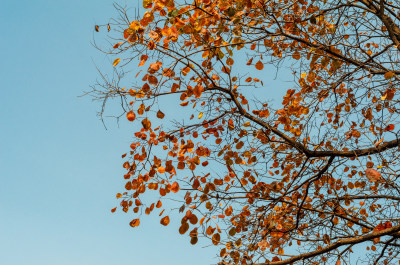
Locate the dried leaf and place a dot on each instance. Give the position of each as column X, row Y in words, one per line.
column 259, row 65
column 116, row 62
column 165, row 220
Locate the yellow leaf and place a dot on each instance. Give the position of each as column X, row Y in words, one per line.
column 200, row 115
column 116, row 62
column 303, row 75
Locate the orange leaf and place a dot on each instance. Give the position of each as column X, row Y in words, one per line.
column 143, row 59
column 161, row 170
column 165, row 220
column 113, row 210
column 216, row 238
column 390, row 127
column 160, row 114
column 389, row 75
column 135, row 223
column 116, row 62
column 146, row 124
column 131, row 116
column 175, row 187
column 296, row 55
column 259, row 65
column 117, row 45
column 372, row 175
column 226, row 70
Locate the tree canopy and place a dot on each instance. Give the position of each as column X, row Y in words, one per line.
column 310, row 179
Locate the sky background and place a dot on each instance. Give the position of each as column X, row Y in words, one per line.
column 59, row 167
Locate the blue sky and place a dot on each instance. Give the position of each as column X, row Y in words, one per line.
column 59, row 168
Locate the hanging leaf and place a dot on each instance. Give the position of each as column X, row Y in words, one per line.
column 390, row 127
column 131, row 116
column 165, row 220
column 143, row 60
column 117, row 45
column 146, row 124
column 160, row 114
column 135, row 223
column 389, row 75
column 175, row 187
column 116, row 62
column 372, row 175
column 259, row 65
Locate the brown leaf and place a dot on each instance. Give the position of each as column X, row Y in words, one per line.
column 131, row 116
column 259, row 65
column 135, row 223
column 146, row 124
column 165, row 220
column 175, row 187
column 160, row 114
column 372, row 175
column 389, row 75
column 117, row 45
column 143, row 60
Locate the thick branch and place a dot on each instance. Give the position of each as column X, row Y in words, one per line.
column 339, row 243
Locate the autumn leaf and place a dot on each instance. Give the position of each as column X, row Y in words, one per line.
column 389, row 75
column 259, row 65
column 296, row 55
column 390, row 127
column 116, row 62
column 146, row 124
column 160, row 114
column 117, row 45
column 131, row 116
column 165, row 220
column 372, row 175
column 216, row 238
column 147, row 3
column 175, row 187
column 135, row 223
column 161, row 170
column 143, row 60
column 96, row 28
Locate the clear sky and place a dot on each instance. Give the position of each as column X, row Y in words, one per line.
column 59, row 168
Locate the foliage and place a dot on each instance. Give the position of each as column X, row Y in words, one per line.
column 307, row 181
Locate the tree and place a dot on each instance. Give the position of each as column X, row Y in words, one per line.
column 313, row 180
